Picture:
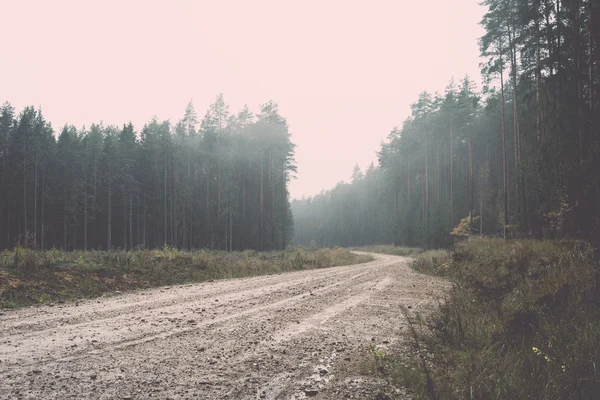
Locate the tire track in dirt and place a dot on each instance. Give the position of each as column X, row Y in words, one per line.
column 137, row 332
column 248, row 338
column 97, row 310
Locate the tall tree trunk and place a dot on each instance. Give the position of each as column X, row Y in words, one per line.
column 244, row 195
column 423, row 201
column 590, row 66
column 538, row 83
column 35, row 196
column 219, row 197
column 154, row 202
column 272, row 178
column 4, row 153
column 174, row 215
column 137, row 218
column 409, row 202
column 426, row 190
column 435, row 177
column 189, row 190
column 549, row 38
column 578, row 80
column 85, row 212
column 74, row 245
column 520, row 181
column 558, row 53
column 504, row 158
column 165, row 194
column 25, row 233
column 426, row 178
column 481, row 203
column 513, row 59
column 191, row 214
column 94, row 201
column 557, row 94
column 439, row 177
column 124, row 194
column 172, row 192
column 261, row 207
column 109, row 234
column 43, row 201
column 470, row 175
column 208, row 223
column 4, row 218
column 283, row 204
column 144, row 232
column 65, row 212
column 397, row 189
column 244, row 178
column 451, row 174
column 130, row 220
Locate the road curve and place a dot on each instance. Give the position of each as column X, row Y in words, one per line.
column 268, row 337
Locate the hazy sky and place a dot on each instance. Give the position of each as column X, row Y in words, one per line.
column 343, row 72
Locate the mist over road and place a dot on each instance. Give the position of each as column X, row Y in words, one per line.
column 278, row 336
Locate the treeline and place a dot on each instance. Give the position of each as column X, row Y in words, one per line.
column 520, row 158
column 222, row 185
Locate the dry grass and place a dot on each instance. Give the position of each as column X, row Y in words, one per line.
column 433, row 262
column 522, row 322
column 389, row 249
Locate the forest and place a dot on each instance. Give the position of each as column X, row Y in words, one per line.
column 222, row 186
column 483, row 206
column 518, row 157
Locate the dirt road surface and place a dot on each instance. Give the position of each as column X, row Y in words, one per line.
column 271, row 337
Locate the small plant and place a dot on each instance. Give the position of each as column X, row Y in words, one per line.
column 379, row 356
column 377, row 352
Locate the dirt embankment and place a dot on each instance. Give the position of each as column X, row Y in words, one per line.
column 274, row 337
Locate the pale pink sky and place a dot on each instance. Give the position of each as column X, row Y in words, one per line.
column 343, row 72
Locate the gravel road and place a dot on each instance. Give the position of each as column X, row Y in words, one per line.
column 270, row 337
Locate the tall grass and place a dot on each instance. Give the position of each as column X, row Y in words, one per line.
column 523, row 321
column 29, row 276
column 433, row 262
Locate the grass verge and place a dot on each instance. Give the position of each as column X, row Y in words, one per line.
column 389, row 249
column 30, row 277
column 522, row 322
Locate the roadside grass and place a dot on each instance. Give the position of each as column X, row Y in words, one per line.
column 522, row 321
column 433, row 262
column 30, row 277
column 389, row 249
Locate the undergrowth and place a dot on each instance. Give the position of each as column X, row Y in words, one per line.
column 522, row 322
column 30, row 277
column 433, row 262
